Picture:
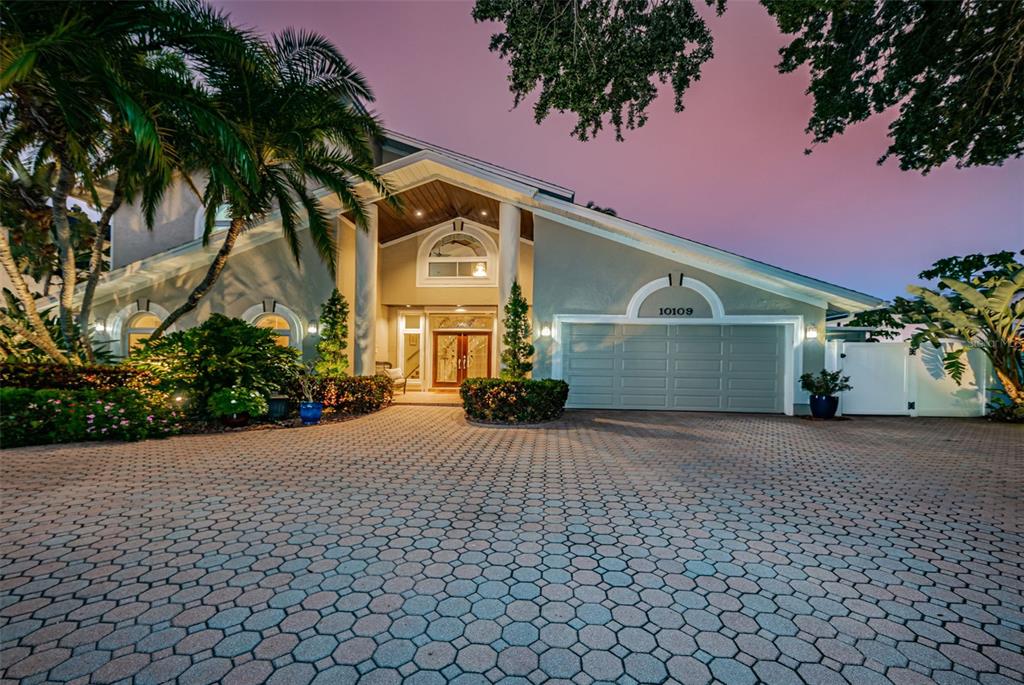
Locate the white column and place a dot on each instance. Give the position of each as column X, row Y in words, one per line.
column 366, row 294
column 508, row 260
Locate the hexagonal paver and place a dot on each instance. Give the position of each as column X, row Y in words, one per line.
column 410, row 547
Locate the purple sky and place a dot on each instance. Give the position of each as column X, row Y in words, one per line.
column 729, row 171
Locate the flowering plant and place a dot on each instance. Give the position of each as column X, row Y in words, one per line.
column 236, row 401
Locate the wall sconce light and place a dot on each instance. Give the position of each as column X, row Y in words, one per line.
column 312, row 329
column 545, row 331
column 100, row 327
column 811, row 332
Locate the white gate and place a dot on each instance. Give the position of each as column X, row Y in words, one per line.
column 888, row 379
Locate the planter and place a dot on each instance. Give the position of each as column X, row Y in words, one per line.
column 310, row 412
column 278, row 407
column 824, row 406
column 235, row 420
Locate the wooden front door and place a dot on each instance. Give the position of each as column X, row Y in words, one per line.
column 458, row 356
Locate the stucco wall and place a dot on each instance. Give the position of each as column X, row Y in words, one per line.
column 580, row 273
column 266, row 272
column 174, row 225
column 398, row 274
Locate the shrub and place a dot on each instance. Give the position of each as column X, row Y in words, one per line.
column 826, row 383
column 233, row 401
column 44, row 416
column 350, row 394
column 333, row 336
column 502, row 401
column 64, row 377
column 220, row 353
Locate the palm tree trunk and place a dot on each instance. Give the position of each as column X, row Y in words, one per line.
column 204, row 286
column 37, row 334
column 1011, row 387
column 66, row 250
column 95, row 267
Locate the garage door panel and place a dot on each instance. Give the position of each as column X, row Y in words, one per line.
column 645, row 346
column 641, row 365
column 697, row 347
column 697, row 365
column 680, row 367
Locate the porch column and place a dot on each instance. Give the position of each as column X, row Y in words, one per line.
column 508, row 260
column 366, row 295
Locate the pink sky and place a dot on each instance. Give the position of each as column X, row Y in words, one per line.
column 729, row 171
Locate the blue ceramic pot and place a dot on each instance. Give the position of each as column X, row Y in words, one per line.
column 824, row 406
column 310, row 412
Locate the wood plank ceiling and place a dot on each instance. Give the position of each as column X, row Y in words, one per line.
column 435, row 202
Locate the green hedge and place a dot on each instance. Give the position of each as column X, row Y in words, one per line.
column 41, row 417
column 351, row 394
column 65, row 377
column 501, row 401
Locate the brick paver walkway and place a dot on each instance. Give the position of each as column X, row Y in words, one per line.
column 411, row 547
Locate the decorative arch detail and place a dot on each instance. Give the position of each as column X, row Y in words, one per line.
column 455, row 226
column 273, row 307
column 701, row 288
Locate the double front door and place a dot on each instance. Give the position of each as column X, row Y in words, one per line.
column 458, row 356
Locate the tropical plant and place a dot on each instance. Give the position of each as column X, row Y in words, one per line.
column 98, row 88
column 333, row 344
column 220, row 353
column 517, row 354
column 235, row 402
column 346, row 394
column 826, row 383
column 976, row 302
column 951, row 72
column 303, row 129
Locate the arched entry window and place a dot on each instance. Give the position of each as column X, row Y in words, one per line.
column 138, row 330
column 277, row 323
column 457, row 258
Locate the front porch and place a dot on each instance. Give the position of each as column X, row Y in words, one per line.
column 436, row 398
column 429, row 282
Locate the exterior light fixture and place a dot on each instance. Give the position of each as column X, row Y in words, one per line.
column 460, row 309
column 312, row 329
column 479, row 270
column 483, row 212
column 811, row 332
column 419, row 212
column 100, row 327
column 545, row 331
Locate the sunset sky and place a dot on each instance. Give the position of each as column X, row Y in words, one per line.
column 729, row 171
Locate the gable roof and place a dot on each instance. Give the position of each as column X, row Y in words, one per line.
column 427, row 162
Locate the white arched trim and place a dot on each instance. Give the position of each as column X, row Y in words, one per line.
column 294, row 321
column 701, row 288
column 116, row 323
column 423, row 280
column 199, row 226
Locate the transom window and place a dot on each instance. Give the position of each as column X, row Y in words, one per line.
column 279, row 325
column 457, row 258
column 139, row 328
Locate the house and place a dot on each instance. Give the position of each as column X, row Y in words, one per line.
column 630, row 316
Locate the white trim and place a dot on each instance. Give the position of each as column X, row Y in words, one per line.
column 115, row 324
column 295, row 323
column 701, row 288
column 423, row 280
column 792, row 364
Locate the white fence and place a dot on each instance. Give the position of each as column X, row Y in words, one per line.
column 888, row 379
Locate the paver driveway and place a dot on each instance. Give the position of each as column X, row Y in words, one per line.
column 622, row 547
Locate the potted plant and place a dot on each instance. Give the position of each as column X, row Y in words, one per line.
column 235, row 406
column 824, row 388
column 310, row 408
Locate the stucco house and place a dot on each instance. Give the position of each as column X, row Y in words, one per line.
column 630, row 316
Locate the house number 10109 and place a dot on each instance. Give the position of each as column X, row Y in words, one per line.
column 675, row 311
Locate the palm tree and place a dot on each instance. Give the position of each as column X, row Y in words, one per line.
column 76, row 76
column 305, row 136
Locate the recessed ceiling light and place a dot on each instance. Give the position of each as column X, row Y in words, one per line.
column 483, row 212
column 419, row 212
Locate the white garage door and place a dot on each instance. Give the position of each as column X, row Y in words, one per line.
column 689, row 367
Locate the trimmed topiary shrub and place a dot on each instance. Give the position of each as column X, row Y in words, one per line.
column 45, row 416
column 65, row 377
column 349, row 394
column 495, row 400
